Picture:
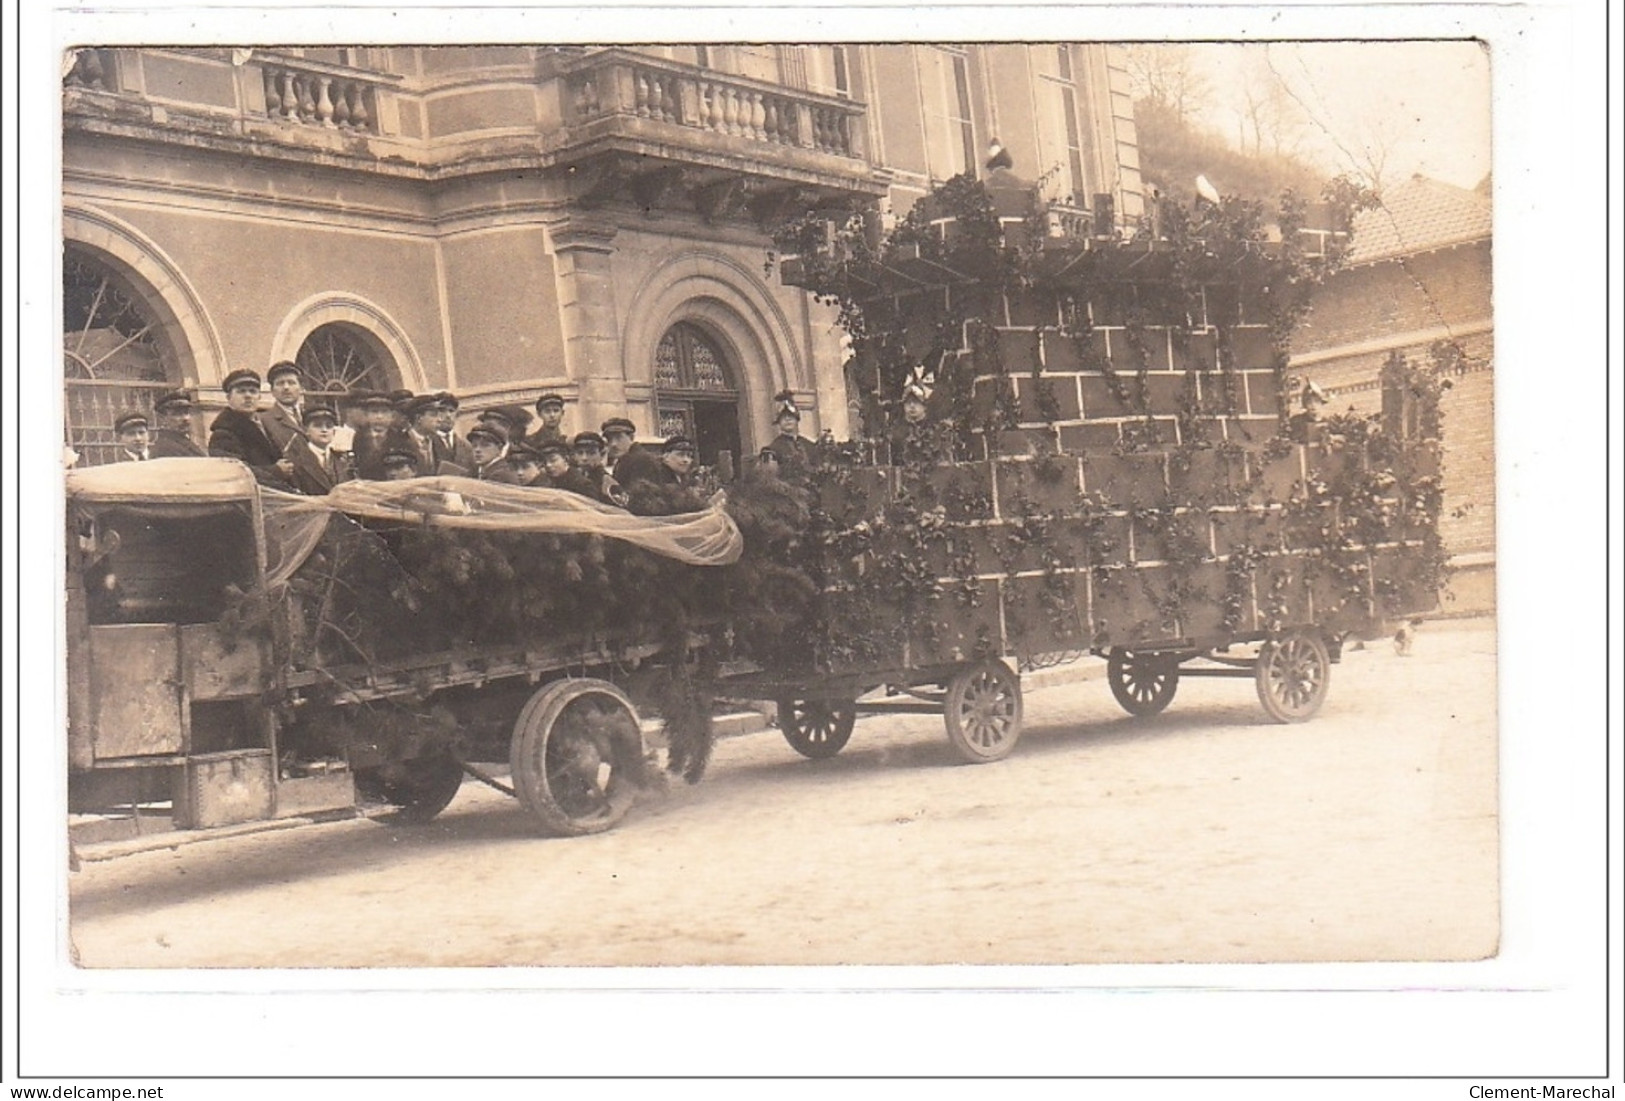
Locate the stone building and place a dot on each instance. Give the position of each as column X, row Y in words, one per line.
column 1418, row 283
column 501, row 221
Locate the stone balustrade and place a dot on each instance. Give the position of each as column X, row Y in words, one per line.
column 317, row 95
column 618, row 83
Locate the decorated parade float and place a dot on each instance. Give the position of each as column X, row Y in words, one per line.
column 1100, row 457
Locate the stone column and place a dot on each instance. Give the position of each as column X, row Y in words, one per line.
column 584, row 252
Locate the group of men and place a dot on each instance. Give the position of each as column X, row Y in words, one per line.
column 308, row 447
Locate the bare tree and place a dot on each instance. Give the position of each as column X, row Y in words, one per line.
column 1166, row 73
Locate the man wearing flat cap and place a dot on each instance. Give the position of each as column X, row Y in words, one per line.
column 173, row 438
column 526, row 465
column 284, row 420
column 449, row 446
column 419, row 436
column 795, row 451
column 377, row 416
column 626, row 460
column 550, row 411
column 318, row 466
column 589, row 456
column 236, row 433
column 488, row 451
column 669, row 490
column 133, row 437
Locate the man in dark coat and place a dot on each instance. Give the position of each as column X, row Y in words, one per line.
column 372, row 436
column 488, row 451
column 418, row 437
column 550, row 410
column 285, row 419
column 173, row 440
column 627, row 461
column 589, row 455
column 451, row 447
column 671, row 490
column 317, row 465
column 238, row 434
column 795, row 452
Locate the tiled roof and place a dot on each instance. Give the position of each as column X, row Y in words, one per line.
column 1418, row 215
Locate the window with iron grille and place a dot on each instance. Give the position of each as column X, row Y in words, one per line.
column 337, row 358
column 115, row 354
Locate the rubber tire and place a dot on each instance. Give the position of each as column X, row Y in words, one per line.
column 539, row 748
column 982, row 712
column 1121, row 664
column 816, row 729
column 429, row 785
column 1293, row 674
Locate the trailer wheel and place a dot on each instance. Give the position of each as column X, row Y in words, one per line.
column 983, row 711
column 1292, row 674
column 816, row 728
column 421, row 787
column 577, row 756
column 1143, row 683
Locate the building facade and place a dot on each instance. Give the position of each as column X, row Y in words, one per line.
column 1418, row 283
column 501, row 221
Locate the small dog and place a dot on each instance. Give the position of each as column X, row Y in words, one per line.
column 1405, row 636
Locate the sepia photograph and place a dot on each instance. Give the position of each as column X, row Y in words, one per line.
column 691, row 508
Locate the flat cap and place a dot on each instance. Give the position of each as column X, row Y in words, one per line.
column 242, row 376
column 127, row 421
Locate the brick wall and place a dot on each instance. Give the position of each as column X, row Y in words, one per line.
column 1449, row 287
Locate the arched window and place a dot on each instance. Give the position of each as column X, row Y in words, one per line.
column 696, row 393
column 338, row 357
column 115, row 353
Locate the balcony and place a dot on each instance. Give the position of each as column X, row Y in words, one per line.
column 665, row 122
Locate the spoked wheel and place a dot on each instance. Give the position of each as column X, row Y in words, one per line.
column 421, row 786
column 577, row 756
column 1143, row 683
column 1292, row 675
column 983, row 711
column 816, row 728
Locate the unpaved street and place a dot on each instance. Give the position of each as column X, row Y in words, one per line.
column 1204, row 834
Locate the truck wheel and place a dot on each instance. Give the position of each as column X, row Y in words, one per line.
column 1143, row 683
column 983, row 711
column 577, row 756
column 816, row 728
column 421, row 787
column 1292, row 674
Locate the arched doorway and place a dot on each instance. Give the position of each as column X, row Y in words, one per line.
column 696, row 392
column 339, row 357
column 116, row 353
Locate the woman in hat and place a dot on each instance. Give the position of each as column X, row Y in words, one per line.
column 173, row 439
column 795, row 451
column 917, row 439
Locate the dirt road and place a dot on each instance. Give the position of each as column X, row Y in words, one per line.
column 1204, row 834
